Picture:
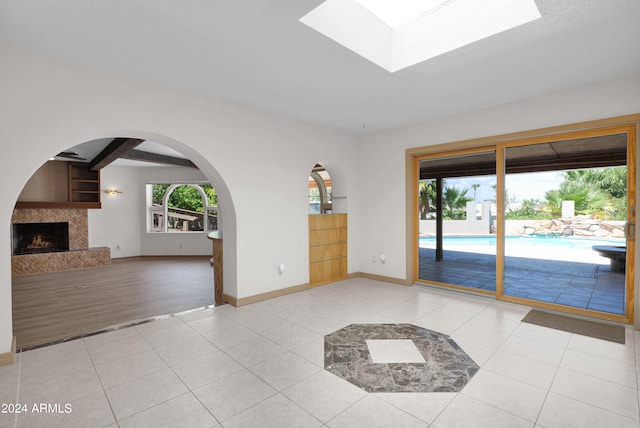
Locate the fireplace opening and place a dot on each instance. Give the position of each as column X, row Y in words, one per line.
column 35, row 238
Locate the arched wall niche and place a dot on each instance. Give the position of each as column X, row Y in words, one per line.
column 338, row 184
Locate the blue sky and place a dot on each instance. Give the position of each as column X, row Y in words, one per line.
column 523, row 186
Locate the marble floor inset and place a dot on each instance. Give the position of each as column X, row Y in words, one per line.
column 420, row 360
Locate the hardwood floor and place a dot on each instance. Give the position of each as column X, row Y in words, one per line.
column 56, row 306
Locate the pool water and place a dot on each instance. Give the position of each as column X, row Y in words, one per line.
column 536, row 247
column 522, row 241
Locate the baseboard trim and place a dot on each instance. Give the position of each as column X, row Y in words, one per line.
column 264, row 296
column 162, row 256
column 229, row 299
column 243, row 301
column 9, row 358
column 382, row 278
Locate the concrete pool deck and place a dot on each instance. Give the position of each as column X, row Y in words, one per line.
column 582, row 284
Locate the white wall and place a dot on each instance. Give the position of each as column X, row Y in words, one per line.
column 117, row 223
column 259, row 163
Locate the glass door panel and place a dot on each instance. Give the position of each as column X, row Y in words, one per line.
column 456, row 204
column 565, row 216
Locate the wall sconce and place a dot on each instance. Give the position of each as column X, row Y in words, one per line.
column 112, row 192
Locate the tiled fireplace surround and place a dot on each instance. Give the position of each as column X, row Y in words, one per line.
column 79, row 256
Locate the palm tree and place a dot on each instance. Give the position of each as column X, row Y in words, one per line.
column 587, row 197
column 426, row 198
column 453, row 200
column 601, row 191
column 474, row 187
column 611, row 180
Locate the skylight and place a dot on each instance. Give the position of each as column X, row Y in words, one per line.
column 396, row 34
column 397, row 13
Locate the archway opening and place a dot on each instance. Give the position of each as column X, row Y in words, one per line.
column 176, row 274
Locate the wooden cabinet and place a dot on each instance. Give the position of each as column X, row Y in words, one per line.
column 59, row 184
column 327, row 248
column 84, row 184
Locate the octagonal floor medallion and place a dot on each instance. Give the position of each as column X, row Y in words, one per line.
column 397, row 358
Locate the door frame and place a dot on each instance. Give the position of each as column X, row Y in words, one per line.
column 624, row 124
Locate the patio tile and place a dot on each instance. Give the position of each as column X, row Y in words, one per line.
column 576, row 300
column 530, row 278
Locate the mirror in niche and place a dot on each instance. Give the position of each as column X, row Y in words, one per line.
column 320, row 201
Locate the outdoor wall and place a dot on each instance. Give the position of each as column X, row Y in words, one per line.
column 455, row 227
column 382, row 156
column 259, row 163
column 478, row 223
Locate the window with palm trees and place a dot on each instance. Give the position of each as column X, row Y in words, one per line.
column 454, row 201
column 182, row 207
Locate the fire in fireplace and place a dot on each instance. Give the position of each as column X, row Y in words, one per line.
column 32, row 238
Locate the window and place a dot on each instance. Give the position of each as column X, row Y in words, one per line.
column 182, row 207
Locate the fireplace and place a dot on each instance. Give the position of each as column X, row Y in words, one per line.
column 36, row 238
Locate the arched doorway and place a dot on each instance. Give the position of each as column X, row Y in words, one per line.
column 123, row 207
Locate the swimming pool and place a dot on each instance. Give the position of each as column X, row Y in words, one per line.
column 521, row 241
column 536, row 247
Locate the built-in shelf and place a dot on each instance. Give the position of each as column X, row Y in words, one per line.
column 62, row 185
column 84, row 184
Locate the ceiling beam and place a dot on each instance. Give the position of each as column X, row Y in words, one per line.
column 115, row 150
column 142, row 156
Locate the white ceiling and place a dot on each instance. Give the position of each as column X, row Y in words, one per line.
column 257, row 53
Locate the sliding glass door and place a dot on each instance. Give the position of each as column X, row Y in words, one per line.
column 566, row 222
column 547, row 221
column 457, row 241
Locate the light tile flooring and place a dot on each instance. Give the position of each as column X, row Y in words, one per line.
column 262, row 366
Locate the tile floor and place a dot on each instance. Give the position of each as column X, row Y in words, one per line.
column 262, row 366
